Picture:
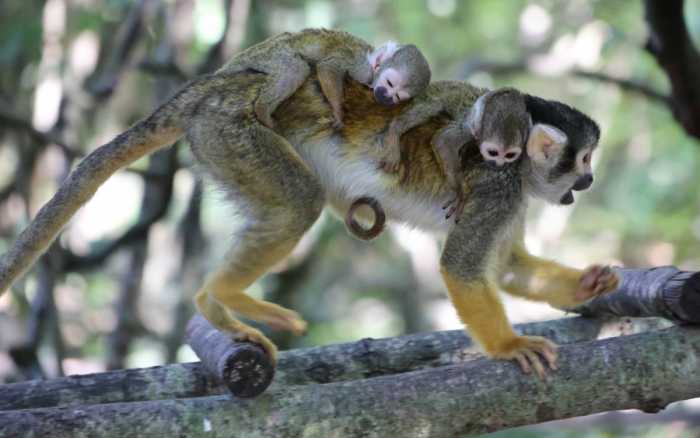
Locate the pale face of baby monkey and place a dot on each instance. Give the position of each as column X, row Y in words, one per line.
column 499, row 121
column 400, row 73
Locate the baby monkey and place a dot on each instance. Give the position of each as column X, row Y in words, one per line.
column 394, row 72
column 497, row 122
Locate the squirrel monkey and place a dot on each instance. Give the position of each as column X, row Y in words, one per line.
column 281, row 180
column 395, row 72
column 497, row 121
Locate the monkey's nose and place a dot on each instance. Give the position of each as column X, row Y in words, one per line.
column 380, row 95
column 583, row 182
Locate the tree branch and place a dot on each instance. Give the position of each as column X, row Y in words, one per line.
column 506, row 68
column 645, row 371
column 325, row 364
column 671, row 45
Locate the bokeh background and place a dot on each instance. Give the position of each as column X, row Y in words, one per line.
column 116, row 290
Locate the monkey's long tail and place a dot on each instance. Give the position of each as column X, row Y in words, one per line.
column 160, row 129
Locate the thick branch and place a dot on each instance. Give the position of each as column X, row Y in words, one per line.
column 664, row 291
column 331, row 363
column 671, row 45
column 645, row 371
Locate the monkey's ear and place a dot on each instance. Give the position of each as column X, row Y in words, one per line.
column 545, row 142
column 382, row 53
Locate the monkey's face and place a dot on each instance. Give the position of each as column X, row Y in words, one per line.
column 400, row 73
column 501, row 124
column 390, row 87
column 558, row 167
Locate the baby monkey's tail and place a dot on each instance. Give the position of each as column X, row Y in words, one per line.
column 158, row 130
column 379, row 218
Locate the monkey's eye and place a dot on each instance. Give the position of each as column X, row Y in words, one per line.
column 587, row 158
column 389, row 83
column 510, row 155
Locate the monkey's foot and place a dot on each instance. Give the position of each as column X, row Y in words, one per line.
column 455, row 206
column 390, row 166
column 279, row 318
column 250, row 334
column 528, row 351
column 596, row 280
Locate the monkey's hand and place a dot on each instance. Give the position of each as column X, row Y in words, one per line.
column 389, row 151
column 596, row 280
column 455, row 206
column 528, row 351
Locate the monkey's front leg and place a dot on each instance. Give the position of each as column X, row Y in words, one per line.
column 545, row 280
column 465, row 263
column 480, row 309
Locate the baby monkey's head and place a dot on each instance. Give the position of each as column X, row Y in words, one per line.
column 500, row 123
column 400, row 72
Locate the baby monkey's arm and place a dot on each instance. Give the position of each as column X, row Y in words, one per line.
column 389, row 144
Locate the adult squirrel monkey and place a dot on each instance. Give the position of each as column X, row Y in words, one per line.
column 281, row 180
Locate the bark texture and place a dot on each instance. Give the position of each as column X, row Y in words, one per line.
column 326, row 364
column 645, row 371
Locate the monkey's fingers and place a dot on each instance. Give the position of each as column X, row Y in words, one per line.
column 389, row 166
column 405, row 172
column 596, row 280
column 536, row 363
column 249, row 334
column 524, row 364
column 285, row 320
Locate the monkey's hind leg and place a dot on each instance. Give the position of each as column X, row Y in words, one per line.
column 223, row 294
column 285, row 77
column 280, row 199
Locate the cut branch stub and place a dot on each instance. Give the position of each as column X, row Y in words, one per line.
column 243, row 367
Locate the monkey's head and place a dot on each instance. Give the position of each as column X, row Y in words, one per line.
column 400, row 73
column 500, row 123
column 560, row 147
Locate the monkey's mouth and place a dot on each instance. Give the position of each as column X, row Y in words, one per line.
column 567, row 199
column 382, row 97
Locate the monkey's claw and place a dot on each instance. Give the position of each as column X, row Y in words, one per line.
column 596, row 280
column 528, row 351
column 454, row 207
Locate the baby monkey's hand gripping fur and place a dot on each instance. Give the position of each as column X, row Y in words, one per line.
column 395, row 72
